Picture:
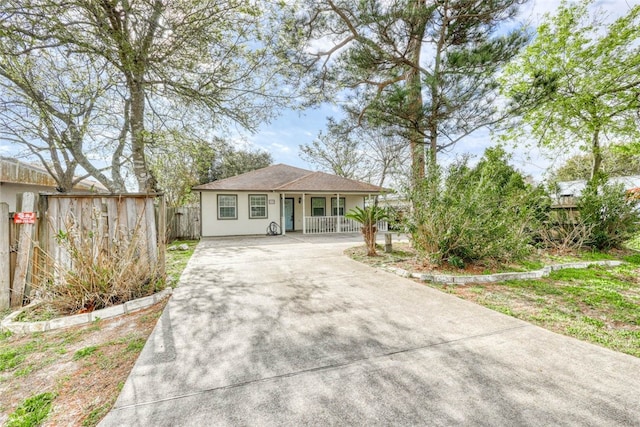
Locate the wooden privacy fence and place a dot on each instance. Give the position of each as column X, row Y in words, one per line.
column 183, row 223
column 70, row 222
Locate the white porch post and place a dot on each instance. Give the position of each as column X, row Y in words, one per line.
column 304, row 215
column 338, row 211
column 283, row 224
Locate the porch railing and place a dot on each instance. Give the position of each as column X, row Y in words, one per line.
column 335, row 224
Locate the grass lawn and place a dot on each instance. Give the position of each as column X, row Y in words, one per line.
column 73, row 376
column 600, row 305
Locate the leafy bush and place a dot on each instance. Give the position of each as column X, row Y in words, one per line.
column 369, row 218
column 32, row 411
column 469, row 214
column 611, row 215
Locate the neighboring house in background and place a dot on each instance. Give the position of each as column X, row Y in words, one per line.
column 293, row 198
column 568, row 191
column 17, row 177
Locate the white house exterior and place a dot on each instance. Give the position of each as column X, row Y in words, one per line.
column 294, row 199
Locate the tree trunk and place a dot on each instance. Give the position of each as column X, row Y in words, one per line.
column 596, row 151
column 146, row 183
column 414, row 90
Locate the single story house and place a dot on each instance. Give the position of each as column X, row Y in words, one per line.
column 282, row 198
column 17, row 177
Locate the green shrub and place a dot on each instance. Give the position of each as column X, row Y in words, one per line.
column 612, row 216
column 368, row 218
column 32, row 411
column 469, row 214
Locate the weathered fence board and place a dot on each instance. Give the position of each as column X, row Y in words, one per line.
column 108, row 222
column 101, row 224
column 183, row 223
column 25, row 251
column 5, row 260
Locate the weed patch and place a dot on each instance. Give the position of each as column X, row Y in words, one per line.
column 84, row 352
column 32, row 411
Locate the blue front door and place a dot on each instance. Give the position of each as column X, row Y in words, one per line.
column 288, row 214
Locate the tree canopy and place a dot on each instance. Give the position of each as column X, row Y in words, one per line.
column 614, row 163
column 160, row 66
column 578, row 82
column 357, row 152
column 425, row 67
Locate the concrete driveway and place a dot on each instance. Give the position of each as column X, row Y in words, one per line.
column 288, row 331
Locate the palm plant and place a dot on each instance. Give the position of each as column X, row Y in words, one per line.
column 369, row 218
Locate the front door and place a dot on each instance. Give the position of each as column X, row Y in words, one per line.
column 288, row 214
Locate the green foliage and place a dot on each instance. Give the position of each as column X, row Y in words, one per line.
column 615, row 162
column 576, row 83
column 176, row 261
column 612, row 217
column 10, row 358
column 32, row 412
column 369, row 218
column 378, row 47
column 469, row 214
column 84, row 352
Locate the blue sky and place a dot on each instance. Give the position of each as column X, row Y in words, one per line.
column 283, row 136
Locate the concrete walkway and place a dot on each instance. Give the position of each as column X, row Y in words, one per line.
column 288, row 331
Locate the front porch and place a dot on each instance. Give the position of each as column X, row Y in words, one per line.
column 334, row 224
column 322, row 212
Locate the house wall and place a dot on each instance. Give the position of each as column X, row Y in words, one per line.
column 9, row 192
column 243, row 225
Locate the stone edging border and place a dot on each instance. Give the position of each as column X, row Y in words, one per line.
column 8, row 324
column 448, row 279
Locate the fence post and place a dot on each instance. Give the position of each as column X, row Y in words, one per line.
column 25, row 250
column 5, row 261
column 388, row 247
column 162, row 234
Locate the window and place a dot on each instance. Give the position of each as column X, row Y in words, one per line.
column 318, row 205
column 257, row 205
column 337, row 210
column 227, row 206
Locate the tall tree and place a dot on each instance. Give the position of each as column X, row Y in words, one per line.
column 231, row 161
column 53, row 105
column 426, row 67
column 363, row 152
column 578, row 82
column 211, row 62
column 180, row 161
column 334, row 151
column 614, row 163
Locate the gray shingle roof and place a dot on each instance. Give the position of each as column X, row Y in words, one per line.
column 291, row 179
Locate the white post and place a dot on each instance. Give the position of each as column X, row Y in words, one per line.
column 283, row 224
column 5, row 295
column 338, row 211
column 304, row 215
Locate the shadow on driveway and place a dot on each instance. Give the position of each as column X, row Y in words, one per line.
column 288, row 331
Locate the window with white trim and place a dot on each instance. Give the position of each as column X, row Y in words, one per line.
column 257, row 206
column 227, row 206
column 318, row 205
